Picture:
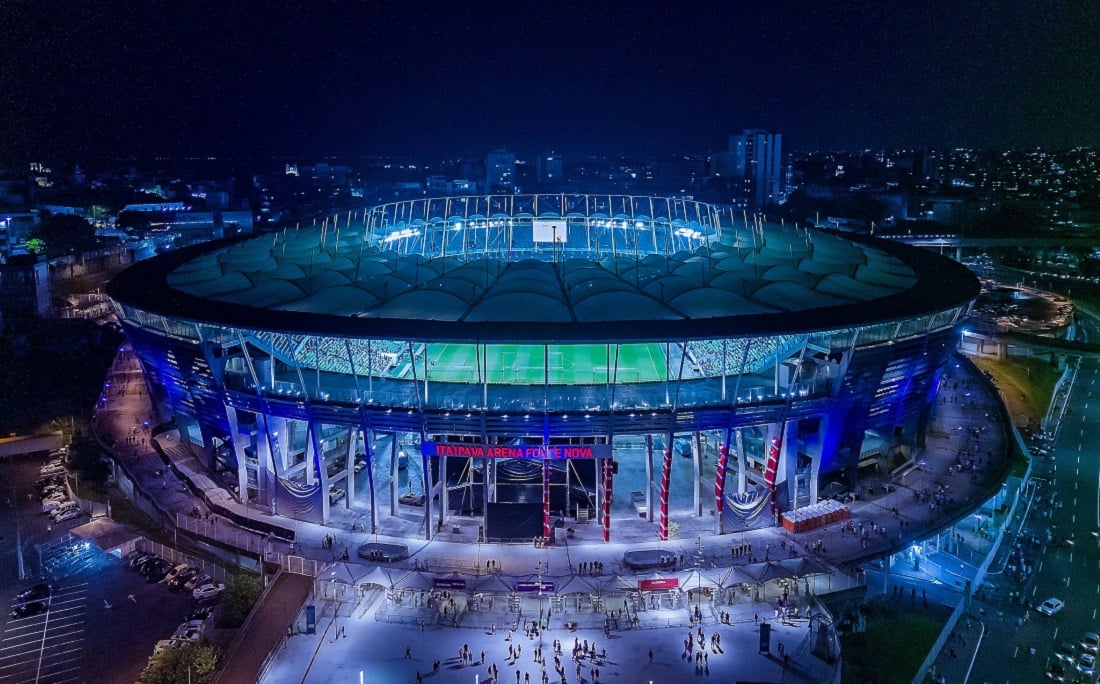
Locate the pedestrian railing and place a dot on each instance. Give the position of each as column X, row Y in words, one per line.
column 297, row 565
column 172, row 554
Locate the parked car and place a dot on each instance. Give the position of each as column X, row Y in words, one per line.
column 200, row 614
column 1051, row 606
column 157, row 571
column 1086, row 664
column 197, row 581
column 1066, row 651
column 171, row 575
column 180, row 580
column 1056, row 671
column 63, row 507
column 1090, row 642
column 51, row 502
column 38, row 591
column 208, row 590
column 138, row 558
column 188, row 632
column 28, row 609
column 68, row 514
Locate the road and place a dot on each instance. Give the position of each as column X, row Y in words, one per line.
column 1062, row 514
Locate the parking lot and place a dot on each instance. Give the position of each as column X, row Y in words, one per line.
column 48, row 646
column 104, row 618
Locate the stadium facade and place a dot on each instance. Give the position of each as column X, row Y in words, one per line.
column 521, row 358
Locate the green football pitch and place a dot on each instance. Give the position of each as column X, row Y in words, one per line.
column 575, row 364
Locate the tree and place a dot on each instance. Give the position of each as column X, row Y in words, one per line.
column 238, row 598
column 86, row 461
column 189, row 664
column 63, row 234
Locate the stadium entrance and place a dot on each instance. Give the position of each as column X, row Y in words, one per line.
column 521, row 491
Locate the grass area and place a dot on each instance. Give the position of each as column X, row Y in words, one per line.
column 895, row 644
column 1027, row 384
column 574, row 364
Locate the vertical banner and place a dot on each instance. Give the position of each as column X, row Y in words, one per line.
column 547, row 530
column 771, row 468
column 606, row 514
column 720, row 474
column 666, row 478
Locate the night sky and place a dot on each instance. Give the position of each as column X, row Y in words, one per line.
column 439, row 80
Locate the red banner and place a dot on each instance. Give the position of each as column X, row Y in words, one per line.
column 666, row 479
column 654, row 584
column 607, row 487
column 720, row 477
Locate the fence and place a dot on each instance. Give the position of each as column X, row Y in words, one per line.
column 225, row 533
column 164, row 551
column 297, row 565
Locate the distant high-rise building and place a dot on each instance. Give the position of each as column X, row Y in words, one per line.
column 500, row 171
column 756, row 168
column 550, row 168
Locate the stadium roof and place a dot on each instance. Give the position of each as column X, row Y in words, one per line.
column 775, row 280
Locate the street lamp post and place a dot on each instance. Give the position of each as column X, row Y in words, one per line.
column 699, row 568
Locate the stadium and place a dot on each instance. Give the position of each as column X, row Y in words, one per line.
column 536, row 365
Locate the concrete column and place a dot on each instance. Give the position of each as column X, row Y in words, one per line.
column 279, row 433
column 349, row 476
column 786, row 477
column 697, row 475
column 239, row 455
column 263, row 454
column 429, row 490
column 312, row 454
column 445, row 497
column 368, row 450
column 742, row 462
column 393, row 474
column 315, row 466
column 485, row 488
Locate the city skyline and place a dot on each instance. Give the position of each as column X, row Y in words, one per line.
column 155, row 79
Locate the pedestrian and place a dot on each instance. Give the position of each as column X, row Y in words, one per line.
column 651, row 655
column 408, row 653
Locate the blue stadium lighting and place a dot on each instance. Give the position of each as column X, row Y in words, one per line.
column 665, row 319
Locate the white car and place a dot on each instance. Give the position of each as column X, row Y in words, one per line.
column 53, row 502
column 1090, row 642
column 208, row 590
column 68, row 514
column 188, row 632
column 1051, row 606
column 1086, row 664
column 64, row 507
